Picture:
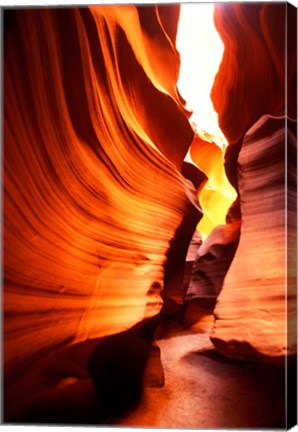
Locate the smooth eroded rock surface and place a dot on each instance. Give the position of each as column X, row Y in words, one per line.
column 257, row 298
column 252, row 76
column 94, row 138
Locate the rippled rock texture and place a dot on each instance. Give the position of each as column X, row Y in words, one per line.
column 251, row 313
column 257, row 64
column 258, row 295
column 212, row 261
column 94, row 138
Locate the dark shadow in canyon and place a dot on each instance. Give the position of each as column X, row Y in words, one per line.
column 255, row 392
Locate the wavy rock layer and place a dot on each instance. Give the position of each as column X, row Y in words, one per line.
column 94, row 138
column 251, row 79
column 213, row 259
column 257, row 299
column 251, row 313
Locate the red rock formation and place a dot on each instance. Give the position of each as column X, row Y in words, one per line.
column 258, row 295
column 94, row 137
column 212, row 262
column 251, row 78
column 251, row 313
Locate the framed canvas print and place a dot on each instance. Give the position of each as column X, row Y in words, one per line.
column 149, row 215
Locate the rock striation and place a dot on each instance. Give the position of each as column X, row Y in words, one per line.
column 95, row 134
column 257, row 298
column 255, row 311
column 251, row 79
column 212, row 261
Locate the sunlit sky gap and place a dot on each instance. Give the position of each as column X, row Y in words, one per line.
column 201, row 51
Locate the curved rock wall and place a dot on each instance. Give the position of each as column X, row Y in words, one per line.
column 94, row 137
column 251, row 312
column 257, row 303
column 251, row 78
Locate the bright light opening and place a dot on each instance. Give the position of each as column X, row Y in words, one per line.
column 201, row 51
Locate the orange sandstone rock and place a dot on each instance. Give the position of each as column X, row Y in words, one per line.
column 258, row 295
column 94, row 138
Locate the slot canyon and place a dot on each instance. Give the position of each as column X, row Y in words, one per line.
column 149, row 262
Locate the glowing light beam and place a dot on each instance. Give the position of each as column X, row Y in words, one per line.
column 201, row 51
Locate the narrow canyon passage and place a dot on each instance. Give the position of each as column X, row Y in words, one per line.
column 150, row 257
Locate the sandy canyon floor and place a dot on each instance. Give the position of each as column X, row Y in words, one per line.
column 206, row 390
column 202, row 389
